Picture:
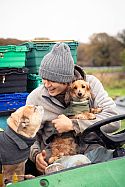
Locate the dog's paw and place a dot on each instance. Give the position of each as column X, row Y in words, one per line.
column 99, row 110
column 96, row 110
column 80, row 116
column 91, row 116
column 52, row 159
column 85, row 116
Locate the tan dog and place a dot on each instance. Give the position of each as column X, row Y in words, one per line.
column 80, row 93
column 16, row 140
column 78, row 97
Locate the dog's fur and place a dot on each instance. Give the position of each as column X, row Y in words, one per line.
column 78, row 91
column 24, row 121
column 62, row 147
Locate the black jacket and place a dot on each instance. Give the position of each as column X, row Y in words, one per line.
column 14, row 148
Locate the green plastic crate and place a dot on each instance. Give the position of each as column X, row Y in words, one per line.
column 37, row 50
column 33, row 82
column 12, row 56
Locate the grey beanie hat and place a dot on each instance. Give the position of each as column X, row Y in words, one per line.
column 58, row 64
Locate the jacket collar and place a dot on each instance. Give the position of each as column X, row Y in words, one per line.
column 22, row 141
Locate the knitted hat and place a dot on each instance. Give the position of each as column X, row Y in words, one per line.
column 58, row 64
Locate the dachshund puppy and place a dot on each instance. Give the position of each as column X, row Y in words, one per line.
column 77, row 98
column 16, row 140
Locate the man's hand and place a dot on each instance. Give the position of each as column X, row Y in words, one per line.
column 40, row 161
column 62, row 124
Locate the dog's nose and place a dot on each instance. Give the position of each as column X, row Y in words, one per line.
column 79, row 94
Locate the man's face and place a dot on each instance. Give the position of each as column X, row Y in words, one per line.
column 54, row 88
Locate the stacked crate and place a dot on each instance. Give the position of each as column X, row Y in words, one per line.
column 37, row 49
column 13, row 80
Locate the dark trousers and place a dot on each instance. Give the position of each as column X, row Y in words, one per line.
column 30, row 168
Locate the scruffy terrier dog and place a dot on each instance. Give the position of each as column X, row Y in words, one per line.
column 78, row 97
column 62, row 146
column 16, row 140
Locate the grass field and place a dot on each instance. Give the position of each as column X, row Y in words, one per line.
column 115, row 92
column 123, row 124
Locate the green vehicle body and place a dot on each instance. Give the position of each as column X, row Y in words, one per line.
column 106, row 174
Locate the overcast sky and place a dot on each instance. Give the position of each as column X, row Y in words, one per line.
column 60, row 19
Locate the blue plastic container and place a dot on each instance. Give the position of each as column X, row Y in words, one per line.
column 13, row 101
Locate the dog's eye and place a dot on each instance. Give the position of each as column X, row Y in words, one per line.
column 83, row 86
column 75, row 87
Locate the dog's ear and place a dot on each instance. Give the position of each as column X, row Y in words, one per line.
column 89, row 90
column 88, row 87
column 68, row 95
column 67, row 98
column 18, row 119
column 15, row 118
column 92, row 95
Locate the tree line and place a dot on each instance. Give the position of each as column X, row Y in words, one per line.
column 102, row 49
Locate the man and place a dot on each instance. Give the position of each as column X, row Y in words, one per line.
column 58, row 71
